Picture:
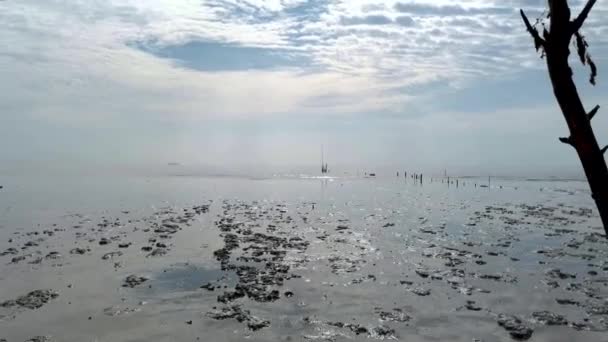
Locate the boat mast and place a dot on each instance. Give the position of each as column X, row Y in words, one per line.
column 322, row 160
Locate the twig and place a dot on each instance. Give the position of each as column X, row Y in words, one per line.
column 538, row 41
column 593, row 112
column 566, row 140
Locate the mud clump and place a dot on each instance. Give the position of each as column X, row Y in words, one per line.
column 30, row 244
column 424, row 273
column 383, row 332
column 208, row 287
column 10, row 251
column 111, row 255
column 556, row 273
column 516, row 328
column 201, row 209
column 421, row 291
column 379, row 332
column 33, row 300
column 567, row 301
column 549, row 318
column 20, row 258
column 40, row 339
column 258, row 259
column 157, row 252
column 242, row 316
column 134, row 280
column 397, row 315
column 167, row 228
column 355, row 328
column 470, row 305
column 601, row 309
column 53, row 255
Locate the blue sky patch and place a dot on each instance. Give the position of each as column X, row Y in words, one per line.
column 211, row 56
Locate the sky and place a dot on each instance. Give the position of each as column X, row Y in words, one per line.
column 262, row 84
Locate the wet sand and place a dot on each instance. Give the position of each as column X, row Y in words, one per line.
column 301, row 260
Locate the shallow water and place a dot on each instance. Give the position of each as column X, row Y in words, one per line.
column 385, row 258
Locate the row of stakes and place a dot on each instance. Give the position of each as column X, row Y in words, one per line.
column 418, row 178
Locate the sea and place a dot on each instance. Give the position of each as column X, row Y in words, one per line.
column 296, row 257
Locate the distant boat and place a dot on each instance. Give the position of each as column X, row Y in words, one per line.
column 372, row 175
column 324, row 166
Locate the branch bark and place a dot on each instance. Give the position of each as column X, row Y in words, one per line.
column 566, row 140
column 593, row 112
column 580, row 20
column 582, row 138
column 538, row 41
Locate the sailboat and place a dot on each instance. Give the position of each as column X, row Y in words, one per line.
column 324, row 166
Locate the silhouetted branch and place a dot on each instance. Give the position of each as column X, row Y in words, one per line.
column 593, row 112
column 584, row 56
column 556, row 48
column 578, row 22
column 566, row 140
column 593, row 69
column 538, row 41
column 581, row 47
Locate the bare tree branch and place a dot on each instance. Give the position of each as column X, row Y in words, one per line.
column 593, row 69
column 566, row 140
column 538, row 41
column 584, row 56
column 578, row 22
column 556, row 48
column 581, row 47
column 593, row 112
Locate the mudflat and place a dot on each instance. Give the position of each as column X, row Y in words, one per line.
column 217, row 259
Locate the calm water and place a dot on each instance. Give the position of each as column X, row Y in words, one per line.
column 31, row 197
column 396, row 228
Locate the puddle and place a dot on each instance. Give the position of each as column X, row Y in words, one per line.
column 187, row 278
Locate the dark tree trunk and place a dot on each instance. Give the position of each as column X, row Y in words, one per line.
column 556, row 45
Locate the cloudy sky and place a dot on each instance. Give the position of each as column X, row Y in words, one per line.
column 414, row 84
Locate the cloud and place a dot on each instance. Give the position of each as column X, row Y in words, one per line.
column 240, row 78
column 366, row 20
column 447, row 10
column 405, row 20
column 171, row 59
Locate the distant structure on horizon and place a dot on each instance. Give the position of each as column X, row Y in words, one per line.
column 324, row 166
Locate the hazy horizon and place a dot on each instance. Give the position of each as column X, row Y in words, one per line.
column 71, row 168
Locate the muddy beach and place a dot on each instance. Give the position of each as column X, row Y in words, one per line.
column 216, row 259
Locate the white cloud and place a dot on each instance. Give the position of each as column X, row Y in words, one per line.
column 74, row 59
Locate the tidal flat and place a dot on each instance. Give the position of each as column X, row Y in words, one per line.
column 300, row 259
